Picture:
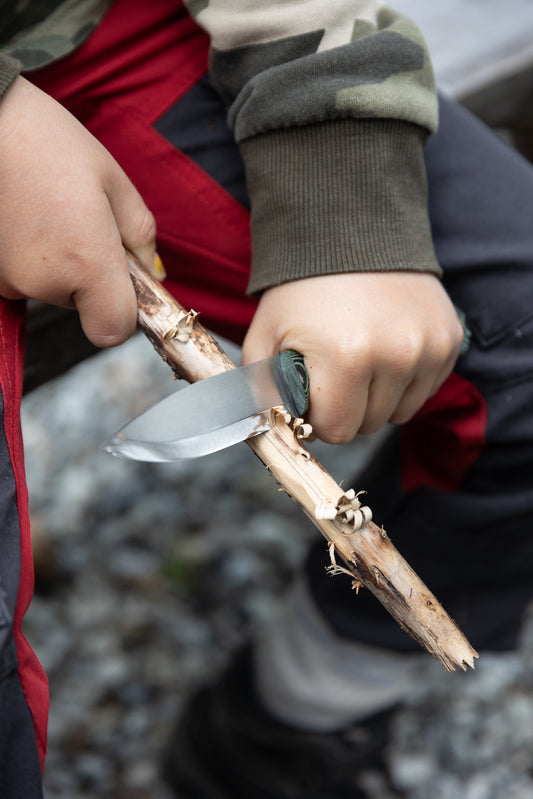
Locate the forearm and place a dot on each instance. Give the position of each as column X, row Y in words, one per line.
column 331, row 105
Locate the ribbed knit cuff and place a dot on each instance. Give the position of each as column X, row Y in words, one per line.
column 9, row 69
column 341, row 196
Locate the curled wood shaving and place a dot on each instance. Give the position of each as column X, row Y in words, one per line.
column 279, row 411
column 351, row 512
column 348, row 510
column 181, row 324
column 360, row 518
column 302, row 430
column 349, row 501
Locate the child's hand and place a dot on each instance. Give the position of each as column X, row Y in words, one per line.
column 67, row 210
column 376, row 345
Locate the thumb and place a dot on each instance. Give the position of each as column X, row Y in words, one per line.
column 259, row 341
column 106, row 300
column 107, row 303
column 135, row 223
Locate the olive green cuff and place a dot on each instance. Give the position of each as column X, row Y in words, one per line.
column 340, row 196
column 9, row 69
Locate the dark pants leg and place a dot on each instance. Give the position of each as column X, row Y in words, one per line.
column 454, row 487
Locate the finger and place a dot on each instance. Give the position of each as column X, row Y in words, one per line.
column 337, row 405
column 426, row 383
column 384, row 397
column 104, row 295
column 415, row 396
column 443, row 374
column 258, row 343
column 107, row 306
column 447, row 354
column 136, row 224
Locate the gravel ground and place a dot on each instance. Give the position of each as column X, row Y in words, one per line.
column 149, row 576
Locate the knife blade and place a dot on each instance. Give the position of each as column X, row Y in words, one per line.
column 216, row 412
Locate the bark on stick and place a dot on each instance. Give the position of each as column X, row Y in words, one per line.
column 367, row 554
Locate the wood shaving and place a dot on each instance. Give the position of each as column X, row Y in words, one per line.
column 351, row 512
column 277, row 412
column 302, row 430
column 180, row 325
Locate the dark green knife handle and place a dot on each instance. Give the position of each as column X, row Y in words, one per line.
column 292, row 381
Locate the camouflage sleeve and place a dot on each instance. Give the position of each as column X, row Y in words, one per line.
column 331, row 103
column 38, row 33
column 9, row 69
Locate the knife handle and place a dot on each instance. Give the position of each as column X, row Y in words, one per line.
column 292, row 381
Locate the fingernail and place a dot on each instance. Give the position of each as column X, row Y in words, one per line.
column 158, row 266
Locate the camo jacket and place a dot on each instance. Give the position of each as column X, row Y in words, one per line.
column 330, row 101
column 41, row 31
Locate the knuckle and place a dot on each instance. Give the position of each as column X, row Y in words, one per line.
column 447, row 344
column 407, row 353
column 146, row 227
column 353, row 359
column 344, row 359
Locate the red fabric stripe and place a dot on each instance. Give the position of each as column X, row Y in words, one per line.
column 129, row 54
column 445, row 438
column 31, row 673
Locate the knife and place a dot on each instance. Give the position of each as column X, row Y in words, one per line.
column 216, row 412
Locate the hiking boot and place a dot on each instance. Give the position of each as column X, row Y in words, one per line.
column 226, row 746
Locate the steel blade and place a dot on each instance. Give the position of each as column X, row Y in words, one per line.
column 202, row 418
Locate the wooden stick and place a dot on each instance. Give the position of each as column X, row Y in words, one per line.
column 368, row 555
